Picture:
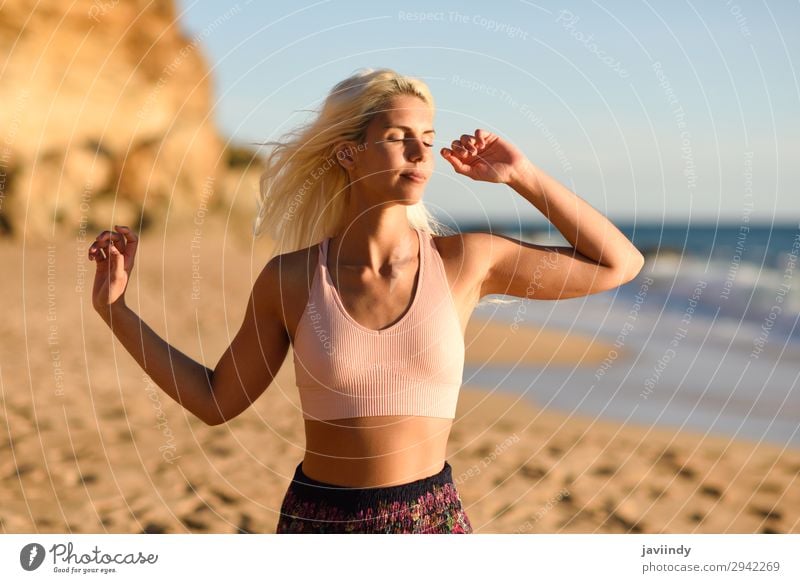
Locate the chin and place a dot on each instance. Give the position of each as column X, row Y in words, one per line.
column 411, row 194
column 410, row 198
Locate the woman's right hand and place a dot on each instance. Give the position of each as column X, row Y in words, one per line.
column 113, row 252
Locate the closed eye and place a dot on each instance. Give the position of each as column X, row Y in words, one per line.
column 403, row 139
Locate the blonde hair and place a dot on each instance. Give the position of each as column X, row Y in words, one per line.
column 303, row 190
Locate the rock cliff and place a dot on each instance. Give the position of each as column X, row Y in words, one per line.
column 107, row 117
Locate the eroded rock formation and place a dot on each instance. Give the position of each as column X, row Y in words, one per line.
column 107, row 117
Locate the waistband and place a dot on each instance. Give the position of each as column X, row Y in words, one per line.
column 349, row 498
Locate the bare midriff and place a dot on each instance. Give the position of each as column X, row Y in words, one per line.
column 373, row 452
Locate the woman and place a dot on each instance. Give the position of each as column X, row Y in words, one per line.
column 376, row 310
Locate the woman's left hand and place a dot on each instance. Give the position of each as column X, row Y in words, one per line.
column 485, row 156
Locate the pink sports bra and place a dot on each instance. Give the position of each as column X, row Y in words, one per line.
column 412, row 367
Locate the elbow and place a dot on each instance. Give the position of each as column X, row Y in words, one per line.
column 212, row 421
column 213, row 418
column 628, row 270
column 212, row 411
column 634, row 266
column 219, row 417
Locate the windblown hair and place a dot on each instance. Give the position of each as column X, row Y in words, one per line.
column 303, row 191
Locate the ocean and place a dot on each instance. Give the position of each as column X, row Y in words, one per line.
column 705, row 338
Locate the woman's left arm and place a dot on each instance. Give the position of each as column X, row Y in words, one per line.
column 587, row 230
column 601, row 257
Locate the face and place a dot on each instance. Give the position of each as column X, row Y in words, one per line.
column 399, row 141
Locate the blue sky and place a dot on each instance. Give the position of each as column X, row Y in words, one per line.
column 647, row 110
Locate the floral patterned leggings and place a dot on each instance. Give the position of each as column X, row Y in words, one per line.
column 430, row 505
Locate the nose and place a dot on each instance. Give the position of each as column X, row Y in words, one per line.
column 416, row 148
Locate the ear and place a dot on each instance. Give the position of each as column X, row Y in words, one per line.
column 346, row 154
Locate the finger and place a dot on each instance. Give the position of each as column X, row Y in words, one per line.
column 458, row 148
column 130, row 236
column 104, row 235
column 482, row 136
column 95, row 251
column 107, row 237
column 100, row 241
column 458, row 165
column 469, row 143
column 117, row 263
column 118, row 240
column 131, row 244
column 119, row 243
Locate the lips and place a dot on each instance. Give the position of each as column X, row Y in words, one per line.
column 415, row 176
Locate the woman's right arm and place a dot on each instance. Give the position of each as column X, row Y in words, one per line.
column 244, row 371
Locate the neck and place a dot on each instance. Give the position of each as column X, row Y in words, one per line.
column 373, row 237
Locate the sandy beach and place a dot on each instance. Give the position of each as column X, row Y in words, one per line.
column 91, row 445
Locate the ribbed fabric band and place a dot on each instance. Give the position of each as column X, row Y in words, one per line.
column 413, row 367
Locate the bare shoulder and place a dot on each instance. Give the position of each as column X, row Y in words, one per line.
column 285, row 281
column 466, row 257
column 468, row 249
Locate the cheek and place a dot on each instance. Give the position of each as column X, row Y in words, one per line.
column 382, row 162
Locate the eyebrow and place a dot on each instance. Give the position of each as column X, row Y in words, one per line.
column 408, row 128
